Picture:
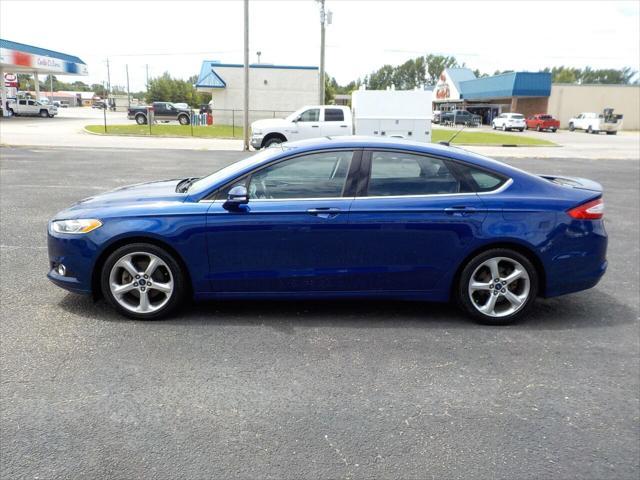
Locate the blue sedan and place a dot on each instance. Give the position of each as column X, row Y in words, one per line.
column 345, row 217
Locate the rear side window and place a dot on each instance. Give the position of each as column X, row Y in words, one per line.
column 400, row 174
column 407, row 174
column 333, row 115
column 479, row 180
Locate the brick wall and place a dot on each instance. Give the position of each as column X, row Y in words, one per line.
column 529, row 106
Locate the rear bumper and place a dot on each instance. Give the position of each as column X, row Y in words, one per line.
column 578, row 260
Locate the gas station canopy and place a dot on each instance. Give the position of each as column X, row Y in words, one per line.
column 21, row 58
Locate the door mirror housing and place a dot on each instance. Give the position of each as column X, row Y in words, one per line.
column 236, row 197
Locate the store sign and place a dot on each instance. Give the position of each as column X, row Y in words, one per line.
column 39, row 63
column 10, row 80
column 444, row 89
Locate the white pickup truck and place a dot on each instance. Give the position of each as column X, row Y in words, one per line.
column 308, row 122
column 592, row 122
column 27, row 106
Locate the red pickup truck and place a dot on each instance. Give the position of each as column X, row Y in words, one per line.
column 542, row 121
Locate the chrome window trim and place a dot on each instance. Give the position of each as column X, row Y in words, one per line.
column 500, row 189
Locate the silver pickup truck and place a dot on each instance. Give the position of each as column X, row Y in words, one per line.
column 27, row 106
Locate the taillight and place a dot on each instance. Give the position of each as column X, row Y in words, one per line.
column 592, row 210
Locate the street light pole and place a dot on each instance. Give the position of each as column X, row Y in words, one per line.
column 246, row 75
column 128, row 93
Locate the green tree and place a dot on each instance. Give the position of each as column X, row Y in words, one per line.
column 436, row 65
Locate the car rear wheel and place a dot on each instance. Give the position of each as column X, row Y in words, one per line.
column 504, row 127
column 183, row 119
column 143, row 281
column 44, row 114
column 141, row 119
column 498, row 286
column 539, row 128
column 589, row 129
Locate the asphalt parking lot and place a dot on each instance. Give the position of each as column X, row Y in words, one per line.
column 306, row 389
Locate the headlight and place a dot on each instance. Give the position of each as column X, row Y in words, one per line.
column 75, row 226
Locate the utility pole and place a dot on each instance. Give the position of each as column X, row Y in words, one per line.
column 108, row 81
column 128, row 93
column 322, row 19
column 51, row 87
column 246, row 75
column 147, row 68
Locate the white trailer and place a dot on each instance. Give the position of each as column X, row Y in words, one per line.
column 393, row 113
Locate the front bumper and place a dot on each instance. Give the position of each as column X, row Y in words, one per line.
column 77, row 253
column 256, row 140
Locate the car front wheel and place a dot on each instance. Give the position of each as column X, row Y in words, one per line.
column 143, row 281
column 498, row 286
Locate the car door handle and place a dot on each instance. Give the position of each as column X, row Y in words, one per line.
column 315, row 126
column 324, row 212
column 460, row 210
column 344, row 126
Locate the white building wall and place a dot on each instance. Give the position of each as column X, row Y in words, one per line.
column 273, row 92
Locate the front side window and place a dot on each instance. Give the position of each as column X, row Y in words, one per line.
column 333, row 115
column 395, row 174
column 311, row 115
column 319, row 175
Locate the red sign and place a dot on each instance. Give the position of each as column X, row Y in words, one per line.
column 10, row 80
column 22, row 59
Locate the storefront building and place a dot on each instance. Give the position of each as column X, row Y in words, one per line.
column 522, row 92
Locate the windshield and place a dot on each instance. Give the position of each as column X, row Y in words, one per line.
column 229, row 171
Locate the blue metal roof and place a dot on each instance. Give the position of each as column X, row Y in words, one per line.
column 22, row 47
column 514, row 84
column 458, row 75
column 208, row 78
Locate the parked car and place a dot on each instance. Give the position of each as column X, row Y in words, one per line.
column 542, row 121
column 162, row 112
column 30, row 107
column 460, row 117
column 337, row 218
column 509, row 121
column 308, row 122
column 101, row 104
column 437, row 116
column 64, row 104
column 592, row 122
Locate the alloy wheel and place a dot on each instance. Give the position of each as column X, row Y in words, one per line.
column 499, row 287
column 141, row 282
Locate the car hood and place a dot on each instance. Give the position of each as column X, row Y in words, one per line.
column 269, row 123
column 128, row 196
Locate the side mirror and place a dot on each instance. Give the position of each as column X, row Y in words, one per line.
column 236, row 197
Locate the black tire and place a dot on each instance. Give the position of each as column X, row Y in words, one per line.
column 461, row 289
column 589, row 130
column 50, row 116
column 179, row 281
column 612, row 133
column 572, row 127
column 141, row 119
column 493, row 125
column 553, row 130
column 272, row 141
column 44, row 114
column 504, row 127
column 538, row 128
column 183, row 120
column 521, row 129
column 13, row 114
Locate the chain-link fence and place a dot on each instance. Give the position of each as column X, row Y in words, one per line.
column 216, row 123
